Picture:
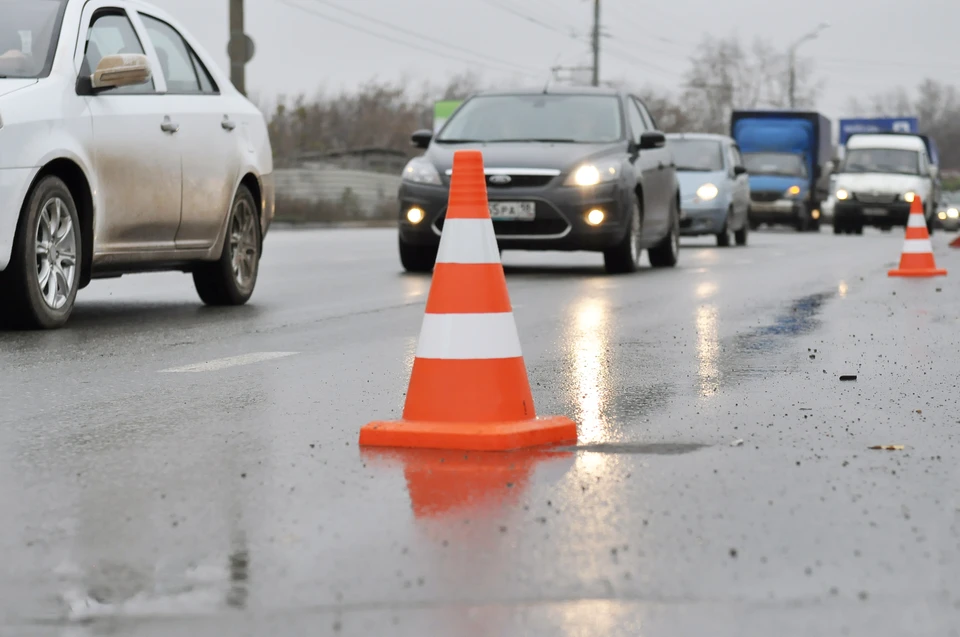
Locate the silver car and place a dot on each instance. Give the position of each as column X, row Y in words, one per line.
column 714, row 187
column 123, row 148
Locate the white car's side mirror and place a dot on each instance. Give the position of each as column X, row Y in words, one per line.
column 115, row 71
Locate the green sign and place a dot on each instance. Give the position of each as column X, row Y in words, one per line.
column 442, row 112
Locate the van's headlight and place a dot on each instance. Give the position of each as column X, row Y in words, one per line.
column 419, row 170
column 706, row 192
column 594, row 173
column 842, row 195
column 953, row 213
column 909, row 196
column 792, row 192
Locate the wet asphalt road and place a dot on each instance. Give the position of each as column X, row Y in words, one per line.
column 150, row 487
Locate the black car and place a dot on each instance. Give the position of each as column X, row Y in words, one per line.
column 567, row 169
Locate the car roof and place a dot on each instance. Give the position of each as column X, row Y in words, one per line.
column 555, row 90
column 701, row 136
column 901, row 141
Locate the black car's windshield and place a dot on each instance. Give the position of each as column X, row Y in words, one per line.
column 700, row 155
column 781, row 164
column 28, row 30
column 533, row 118
column 882, row 160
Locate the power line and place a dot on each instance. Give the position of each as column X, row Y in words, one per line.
column 421, row 36
column 533, row 20
column 442, row 54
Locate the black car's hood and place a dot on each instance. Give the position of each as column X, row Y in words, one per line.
column 523, row 154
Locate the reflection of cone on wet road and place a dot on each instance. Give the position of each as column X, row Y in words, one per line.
column 469, row 387
column 917, row 257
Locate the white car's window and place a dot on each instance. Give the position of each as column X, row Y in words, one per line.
column 175, row 58
column 112, row 34
column 207, row 83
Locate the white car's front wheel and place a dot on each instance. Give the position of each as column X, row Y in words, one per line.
column 231, row 279
column 39, row 287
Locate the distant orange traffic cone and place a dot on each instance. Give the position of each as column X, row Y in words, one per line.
column 955, row 243
column 916, row 260
column 469, row 388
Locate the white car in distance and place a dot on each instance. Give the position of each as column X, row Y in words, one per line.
column 123, row 149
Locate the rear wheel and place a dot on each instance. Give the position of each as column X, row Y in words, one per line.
column 39, row 287
column 624, row 258
column 802, row 223
column 667, row 252
column 418, row 258
column 230, row 279
column 838, row 227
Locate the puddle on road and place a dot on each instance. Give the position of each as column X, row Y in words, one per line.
column 650, row 449
column 749, row 355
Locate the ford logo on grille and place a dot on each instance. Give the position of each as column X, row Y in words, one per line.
column 500, row 179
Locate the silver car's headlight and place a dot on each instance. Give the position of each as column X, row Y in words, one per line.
column 419, row 170
column 594, row 173
column 707, row 192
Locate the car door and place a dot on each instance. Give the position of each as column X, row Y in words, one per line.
column 645, row 165
column 135, row 150
column 741, row 184
column 208, row 132
column 664, row 177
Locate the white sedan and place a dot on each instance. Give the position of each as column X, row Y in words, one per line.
column 123, row 149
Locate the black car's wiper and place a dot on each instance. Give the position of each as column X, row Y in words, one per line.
column 542, row 140
column 691, row 169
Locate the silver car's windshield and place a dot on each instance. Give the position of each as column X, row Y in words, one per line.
column 698, row 155
column 536, row 118
column 882, row 160
column 28, row 30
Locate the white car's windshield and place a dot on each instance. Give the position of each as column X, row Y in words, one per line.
column 698, row 155
column 533, row 118
column 882, row 160
column 27, row 29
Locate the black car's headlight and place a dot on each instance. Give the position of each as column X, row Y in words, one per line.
column 419, row 170
column 594, row 173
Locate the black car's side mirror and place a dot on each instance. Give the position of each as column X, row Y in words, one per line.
column 739, row 170
column 421, row 138
column 651, row 140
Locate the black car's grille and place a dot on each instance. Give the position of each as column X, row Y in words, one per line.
column 869, row 197
column 518, row 181
column 766, row 195
column 547, row 222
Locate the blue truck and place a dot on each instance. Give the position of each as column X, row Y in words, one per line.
column 786, row 154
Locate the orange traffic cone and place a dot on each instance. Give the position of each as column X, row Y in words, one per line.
column 955, row 243
column 469, row 388
column 916, row 259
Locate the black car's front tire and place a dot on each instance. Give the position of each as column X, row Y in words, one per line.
column 624, row 257
column 415, row 258
column 666, row 254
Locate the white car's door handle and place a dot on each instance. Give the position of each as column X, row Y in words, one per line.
column 227, row 123
column 168, row 126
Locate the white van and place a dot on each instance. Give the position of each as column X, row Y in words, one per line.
column 878, row 179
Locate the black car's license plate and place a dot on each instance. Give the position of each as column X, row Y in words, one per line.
column 512, row 210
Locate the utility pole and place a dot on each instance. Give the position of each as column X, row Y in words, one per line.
column 596, row 43
column 237, row 63
column 792, row 59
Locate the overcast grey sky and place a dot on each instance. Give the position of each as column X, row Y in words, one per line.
column 871, row 45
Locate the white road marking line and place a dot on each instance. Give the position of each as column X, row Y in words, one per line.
column 224, row 363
